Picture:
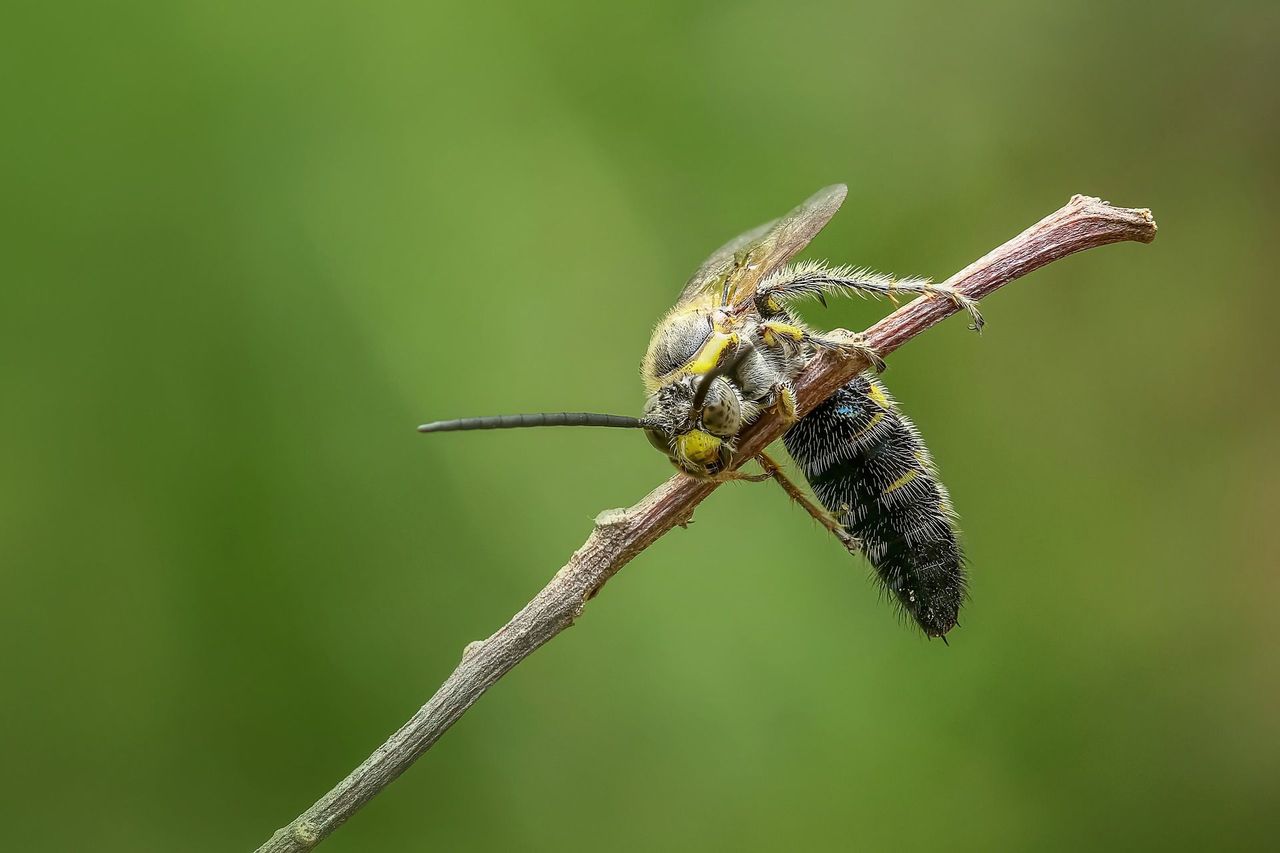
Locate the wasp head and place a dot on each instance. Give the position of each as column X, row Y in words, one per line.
column 693, row 420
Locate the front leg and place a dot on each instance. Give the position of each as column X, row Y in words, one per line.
column 785, row 403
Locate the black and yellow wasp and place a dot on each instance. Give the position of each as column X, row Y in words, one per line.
column 728, row 351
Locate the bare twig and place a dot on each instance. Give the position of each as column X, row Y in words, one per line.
column 621, row 534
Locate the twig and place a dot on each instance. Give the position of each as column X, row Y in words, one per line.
column 621, row 534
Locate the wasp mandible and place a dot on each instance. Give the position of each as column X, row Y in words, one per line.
column 730, row 349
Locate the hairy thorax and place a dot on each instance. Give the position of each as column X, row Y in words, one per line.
column 726, row 353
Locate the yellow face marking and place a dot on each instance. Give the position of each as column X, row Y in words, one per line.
column 700, row 448
column 905, row 479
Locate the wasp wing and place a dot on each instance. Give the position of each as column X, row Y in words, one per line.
column 736, row 269
column 716, row 270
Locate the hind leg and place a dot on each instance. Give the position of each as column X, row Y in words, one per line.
column 817, row 280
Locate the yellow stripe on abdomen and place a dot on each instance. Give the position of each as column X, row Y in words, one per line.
column 904, row 480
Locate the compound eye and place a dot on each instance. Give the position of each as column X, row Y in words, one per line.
column 659, row 440
column 722, row 413
column 679, row 342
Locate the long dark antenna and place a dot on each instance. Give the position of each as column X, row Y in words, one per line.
column 704, row 387
column 541, row 419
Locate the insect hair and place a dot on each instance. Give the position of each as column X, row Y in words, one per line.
column 818, row 278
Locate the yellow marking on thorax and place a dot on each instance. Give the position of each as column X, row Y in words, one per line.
column 711, row 354
column 904, row 480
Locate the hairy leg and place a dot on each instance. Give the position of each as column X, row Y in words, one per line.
column 816, row 279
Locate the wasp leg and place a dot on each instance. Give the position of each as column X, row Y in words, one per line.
column 851, row 543
column 785, row 403
column 781, row 397
column 726, row 476
column 817, row 279
column 739, row 477
column 958, row 299
column 788, row 335
column 850, row 345
column 775, row 333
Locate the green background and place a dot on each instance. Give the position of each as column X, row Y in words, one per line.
column 247, row 247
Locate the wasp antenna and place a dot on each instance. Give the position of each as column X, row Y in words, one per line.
column 725, row 367
column 540, row 419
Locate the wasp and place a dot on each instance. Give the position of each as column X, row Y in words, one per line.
column 730, row 349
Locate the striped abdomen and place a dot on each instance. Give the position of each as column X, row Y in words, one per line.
column 868, row 466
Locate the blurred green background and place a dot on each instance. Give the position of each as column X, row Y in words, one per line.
column 248, row 247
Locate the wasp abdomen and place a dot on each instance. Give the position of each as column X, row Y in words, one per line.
column 870, row 469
